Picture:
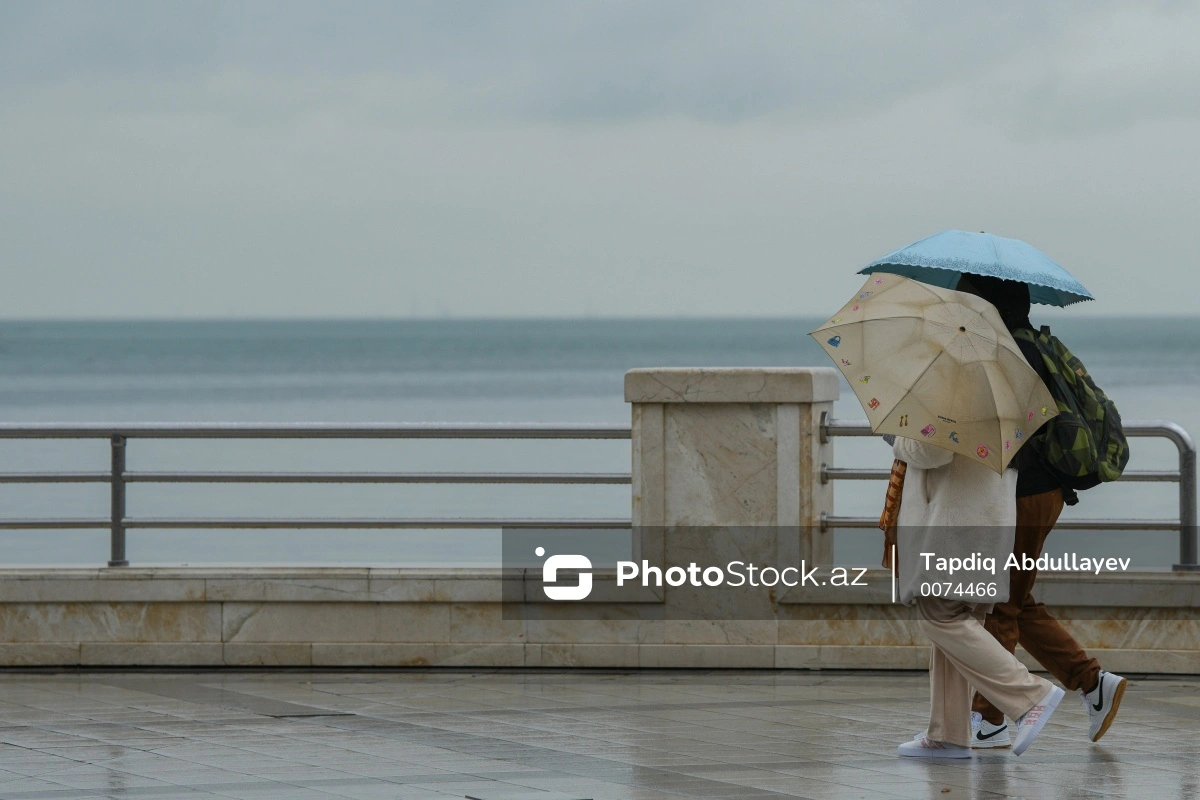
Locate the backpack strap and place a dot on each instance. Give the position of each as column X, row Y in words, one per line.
column 1026, row 334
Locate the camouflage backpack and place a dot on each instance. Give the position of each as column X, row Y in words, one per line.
column 1084, row 445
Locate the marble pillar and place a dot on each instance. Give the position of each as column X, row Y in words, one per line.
column 732, row 447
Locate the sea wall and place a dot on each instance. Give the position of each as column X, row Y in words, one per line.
column 343, row 617
column 711, row 448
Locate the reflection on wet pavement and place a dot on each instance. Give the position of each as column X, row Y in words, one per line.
column 619, row 735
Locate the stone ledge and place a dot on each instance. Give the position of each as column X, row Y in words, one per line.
column 602, row 656
column 364, row 618
column 170, row 654
column 851, row 657
column 53, row 587
column 1164, row 589
column 498, row 655
column 145, row 622
column 732, row 385
column 276, row 654
column 706, row 656
column 39, row 654
column 316, row 585
column 418, row 655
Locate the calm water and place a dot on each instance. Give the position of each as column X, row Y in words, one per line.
column 449, row 370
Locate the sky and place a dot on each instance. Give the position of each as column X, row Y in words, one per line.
column 511, row 159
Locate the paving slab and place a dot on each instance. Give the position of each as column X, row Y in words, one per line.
column 554, row 735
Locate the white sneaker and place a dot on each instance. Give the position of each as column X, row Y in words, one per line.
column 1030, row 724
column 1102, row 703
column 924, row 747
column 985, row 734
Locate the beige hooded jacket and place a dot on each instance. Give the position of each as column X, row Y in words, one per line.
column 953, row 507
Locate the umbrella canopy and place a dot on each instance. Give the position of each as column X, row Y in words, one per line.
column 941, row 259
column 938, row 366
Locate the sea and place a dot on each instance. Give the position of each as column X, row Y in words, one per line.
column 457, row 370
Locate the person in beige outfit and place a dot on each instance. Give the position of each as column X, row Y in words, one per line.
column 952, row 506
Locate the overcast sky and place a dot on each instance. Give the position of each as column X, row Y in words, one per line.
column 268, row 159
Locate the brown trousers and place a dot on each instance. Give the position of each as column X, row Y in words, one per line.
column 1022, row 620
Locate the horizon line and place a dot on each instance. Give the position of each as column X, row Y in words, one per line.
column 528, row 318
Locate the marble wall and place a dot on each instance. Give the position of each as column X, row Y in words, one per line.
column 396, row 618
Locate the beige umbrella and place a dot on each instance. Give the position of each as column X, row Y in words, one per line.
column 938, row 366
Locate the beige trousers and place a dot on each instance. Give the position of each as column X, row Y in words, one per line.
column 965, row 655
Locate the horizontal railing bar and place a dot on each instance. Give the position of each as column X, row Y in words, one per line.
column 1117, row 524
column 850, row 474
column 53, row 524
column 311, row 524
column 311, row 430
column 453, row 523
column 828, row 522
column 1143, row 428
column 598, row 478
column 1150, row 476
column 55, row 477
column 1131, row 475
column 847, row 427
column 381, row 477
column 352, row 523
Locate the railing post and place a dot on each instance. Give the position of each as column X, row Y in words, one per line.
column 1187, row 507
column 117, row 506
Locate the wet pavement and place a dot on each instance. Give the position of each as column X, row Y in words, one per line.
column 543, row 735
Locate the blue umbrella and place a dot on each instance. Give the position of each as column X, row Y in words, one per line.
column 940, row 260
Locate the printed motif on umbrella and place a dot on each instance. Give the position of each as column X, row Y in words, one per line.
column 928, row 430
column 982, row 451
column 874, row 404
column 954, row 436
column 1045, row 411
column 1029, row 417
column 839, row 319
column 1019, row 434
column 865, row 295
column 878, row 281
column 904, row 420
column 845, row 363
column 834, row 341
column 855, row 308
column 1007, row 445
column 865, row 379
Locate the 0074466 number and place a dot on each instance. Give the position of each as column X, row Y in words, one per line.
column 949, row 589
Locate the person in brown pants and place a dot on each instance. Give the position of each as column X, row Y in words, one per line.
column 1021, row 619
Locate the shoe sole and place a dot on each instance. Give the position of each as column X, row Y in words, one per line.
column 1118, row 693
column 1021, row 745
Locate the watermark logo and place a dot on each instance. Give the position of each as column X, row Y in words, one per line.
column 756, row 572
column 568, row 561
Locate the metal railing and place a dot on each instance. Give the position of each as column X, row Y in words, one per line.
column 119, row 477
column 1185, row 476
